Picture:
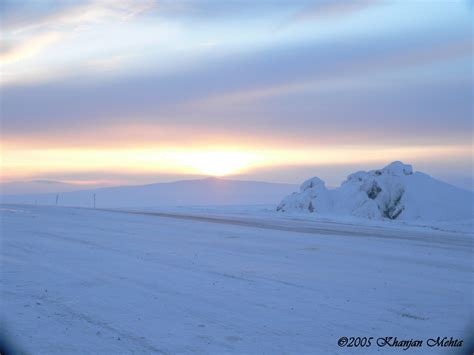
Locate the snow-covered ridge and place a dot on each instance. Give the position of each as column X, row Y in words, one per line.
column 208, row 191
column 394, row 192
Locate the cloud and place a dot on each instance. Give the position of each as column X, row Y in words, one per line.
column 70, row 15
column 28, row 48
column 332, row 9
column 27, row 36
column 301, row 91
column 342, row 73
column 274, row 92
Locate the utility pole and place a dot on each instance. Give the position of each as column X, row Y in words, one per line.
column 94, row 200
column 57, row 198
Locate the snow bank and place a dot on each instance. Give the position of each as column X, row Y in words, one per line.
column 394, row 192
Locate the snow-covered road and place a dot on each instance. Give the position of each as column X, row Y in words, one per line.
column 79, row 280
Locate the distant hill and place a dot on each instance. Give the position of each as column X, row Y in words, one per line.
column 394, row 192
column 37, row 186
column 209, row 191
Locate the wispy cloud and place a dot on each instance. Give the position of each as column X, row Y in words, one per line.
column 28, row 37
column 78, row 14
column 343, row 74
column 28, row 47
column 332, row 9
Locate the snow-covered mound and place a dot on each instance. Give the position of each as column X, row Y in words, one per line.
column 394, row 192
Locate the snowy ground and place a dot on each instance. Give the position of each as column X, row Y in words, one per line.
column 80, row 280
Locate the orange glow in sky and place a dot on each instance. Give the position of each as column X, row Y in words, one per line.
column 23, row 162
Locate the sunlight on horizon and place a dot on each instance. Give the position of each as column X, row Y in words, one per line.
column 24, row 163
column 216, row 163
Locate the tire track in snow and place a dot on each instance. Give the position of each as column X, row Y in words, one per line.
column 440, row 238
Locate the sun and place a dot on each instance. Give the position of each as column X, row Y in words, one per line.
column 219, row 163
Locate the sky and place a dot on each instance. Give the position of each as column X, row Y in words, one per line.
column 106, row 92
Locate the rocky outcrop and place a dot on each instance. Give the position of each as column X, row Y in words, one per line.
column 394, row 192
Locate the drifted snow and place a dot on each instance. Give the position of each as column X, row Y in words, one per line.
column 394, row 192
column 82, row 281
